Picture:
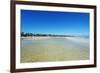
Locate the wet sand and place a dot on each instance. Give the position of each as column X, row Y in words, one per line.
column 54, row 49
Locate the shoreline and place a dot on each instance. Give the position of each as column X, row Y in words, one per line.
column 38, row 37
column 48, row 37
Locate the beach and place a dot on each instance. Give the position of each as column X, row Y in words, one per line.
column 47, row 49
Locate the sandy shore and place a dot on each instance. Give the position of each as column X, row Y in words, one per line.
column 51, row 49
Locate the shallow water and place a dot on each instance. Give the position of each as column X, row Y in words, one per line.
column 55, row 49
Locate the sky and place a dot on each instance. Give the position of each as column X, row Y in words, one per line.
column 54, row 22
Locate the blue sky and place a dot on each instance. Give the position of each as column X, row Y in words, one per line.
column 52, row 22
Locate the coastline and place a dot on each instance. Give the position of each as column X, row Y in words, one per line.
column 39, row 37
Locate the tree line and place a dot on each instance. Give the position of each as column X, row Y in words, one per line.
column 31, row 34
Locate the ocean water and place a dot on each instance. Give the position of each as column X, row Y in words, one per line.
column 55, row 49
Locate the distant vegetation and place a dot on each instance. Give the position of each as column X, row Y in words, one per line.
column 31, row 34
column 23, row 34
